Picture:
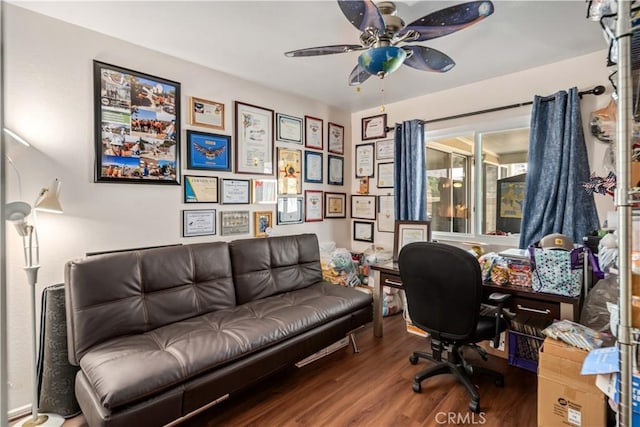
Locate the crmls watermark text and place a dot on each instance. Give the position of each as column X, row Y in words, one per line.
column 454, row 418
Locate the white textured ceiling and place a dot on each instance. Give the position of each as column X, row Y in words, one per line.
column 248, row 38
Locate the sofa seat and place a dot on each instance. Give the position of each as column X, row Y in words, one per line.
column 131, row 368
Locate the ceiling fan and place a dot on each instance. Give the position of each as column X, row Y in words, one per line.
column 384, row 37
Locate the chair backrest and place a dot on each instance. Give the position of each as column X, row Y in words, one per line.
column 443, row 285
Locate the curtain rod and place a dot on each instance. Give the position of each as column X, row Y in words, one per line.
column 598, row 90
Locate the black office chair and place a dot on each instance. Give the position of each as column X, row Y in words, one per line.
column 443, row 285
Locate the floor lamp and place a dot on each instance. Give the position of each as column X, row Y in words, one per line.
column 18, row 213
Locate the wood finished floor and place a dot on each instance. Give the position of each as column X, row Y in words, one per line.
column 373, row 388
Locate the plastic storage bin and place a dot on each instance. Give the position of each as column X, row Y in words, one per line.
column 523, row 350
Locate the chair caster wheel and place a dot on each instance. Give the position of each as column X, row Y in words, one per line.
column 500, row 383
column 413, row 359
column 416, row 387
column 474, row 406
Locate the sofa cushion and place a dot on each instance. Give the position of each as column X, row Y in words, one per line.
column 126, row 293
column 127, row 369
column 265, row 267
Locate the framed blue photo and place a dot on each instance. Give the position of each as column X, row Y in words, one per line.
column 208, row 151
column 313, row 166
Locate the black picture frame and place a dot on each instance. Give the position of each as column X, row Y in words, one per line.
column 510, row 195
column 374, row 127
column 208, row 151
column 137, row 127
column 331, row 178
column 198, row 222
column 289, row 128
column 200, row 189
column 335, row 205
column 368, row 226
column 292, row 217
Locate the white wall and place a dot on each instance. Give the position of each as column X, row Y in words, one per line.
column 583, row 72
column 49, row 101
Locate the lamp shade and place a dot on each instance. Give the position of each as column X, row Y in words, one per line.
column 380, row 61
column 17, row 211
column 48, row 200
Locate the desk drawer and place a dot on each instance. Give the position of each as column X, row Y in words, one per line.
column 544, row 310
column 390, row 280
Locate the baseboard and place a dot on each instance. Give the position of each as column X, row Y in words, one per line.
column 20, row 412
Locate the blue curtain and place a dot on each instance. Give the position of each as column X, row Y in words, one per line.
column 555, row 201
column 410, row 171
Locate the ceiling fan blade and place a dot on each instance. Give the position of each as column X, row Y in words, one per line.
column 449, row 20
column 358, row 75
column 362, row 14
column 427, row 59
column 324, row 50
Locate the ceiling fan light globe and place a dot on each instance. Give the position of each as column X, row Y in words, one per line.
column 380, row 61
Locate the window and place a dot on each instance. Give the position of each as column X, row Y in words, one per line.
column 475, row 178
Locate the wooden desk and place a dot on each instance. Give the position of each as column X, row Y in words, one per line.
column 524, row 301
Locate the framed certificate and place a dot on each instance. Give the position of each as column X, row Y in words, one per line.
column 335, row 205
column 335, row 175
column 386, row 214
column 374, row 127
column 289, row 171
column 264, row 191
column 288, row 128
column 233, row 223
column 200, row 222
column 200, row 189
column 363, row 207
column 313, row 205
column 313, row 166
column 290, row 210
column 365, row 160
column 207, row 113
column 234, row 191
column 336, row 138
column 262, row 223
column 385, row 149
column 313, row 132
column 385, row 175
column 363, row 231
column 254, row 139
column 410, row 231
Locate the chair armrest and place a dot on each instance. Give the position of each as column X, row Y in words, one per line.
column 499, row 299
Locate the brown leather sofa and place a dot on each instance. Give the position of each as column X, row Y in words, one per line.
column 160, row 333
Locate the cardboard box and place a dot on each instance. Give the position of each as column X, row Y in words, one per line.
column 503, row 348
column 566, row 398
column 415, row 330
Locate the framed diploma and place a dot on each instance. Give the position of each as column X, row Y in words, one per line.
column 288, row 128
column 313, row 166
column 209, row 114
column 385, row 175
column 262, row 223
column 363, row 231
column 201, row 222
column 336, row 138
column 254, row 139
column 374, row 127
column 313, row 205
column 233, row 223
column 200, row 189
column 386, row 214
column 289, row 171
column 410, row 231
column 234, row 191
column 313, row 132
column 290, row 210
column 365, row 160
column 208, row 151
column 385, row 149
column 363, row 207
column 335, row 205
column 335, row 170
column 264, row 191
